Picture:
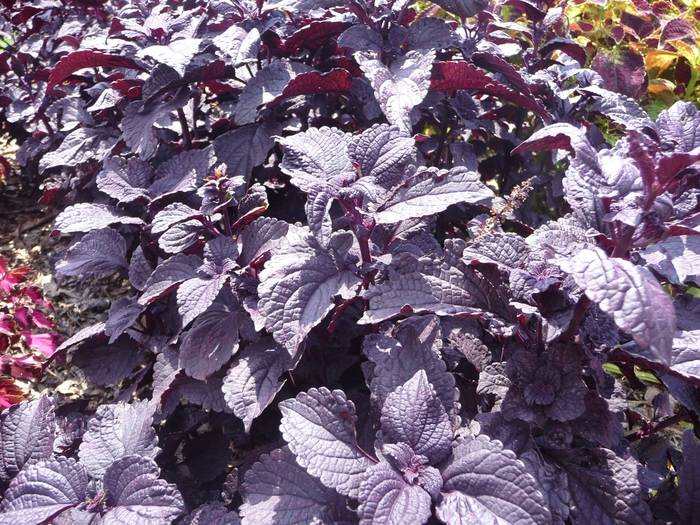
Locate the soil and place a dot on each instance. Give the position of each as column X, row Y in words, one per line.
column 25, row 240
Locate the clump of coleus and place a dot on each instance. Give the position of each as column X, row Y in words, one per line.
column 330, row 211
column 642, row 47
column 27, row 334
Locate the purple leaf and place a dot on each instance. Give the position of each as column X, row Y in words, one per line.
column 317, row 162
column 386, row 498
column 313, row 35
column 463, row 8
column 527, row 7
column 267, row 84
column 165, row 370
column 78, row 60
column 212, row 514
column 360, row 37
column 137, row 124
column 544, row 386
column 138, row 496
column 598, row 423
column 457, row 508
column 297, row 289
column 218, row 192
column 139, row 269
column 450, row 76
column 262, row 235
column 245, row 148
column 302, row 6
column 81, row 145
column 564, row 235
column 107, row 364
column 495, row 64
column 631, row 295
column 623, row 71
column 320, row 429
column 126, row 182
column 671, row 166
column 43, row 491
column 399, row 359
column 408, row 236
column 446, row 286
column 318, row 205
column 620, row 108
column 680, row 126
column 169, row 275
column 430, row 33
column 415, row 469
column 595, row 475
column 173, row 214
column 94, row 331
column 98, row 252
column 676, row 258
column 553, row 480
column 317, row 155
column 195, row 295
column 210, row 343
column 122, row 315
column 493, row 380
column 252, row 381
column 252, row 204
column 566, row 45
column 689, row 480
column 230, row 486
column 86, row 217
column 335, row 81
column 401, row 87
column 431, row 191
column 178, row 54
column 181, row 236
column 686, row 354
column 382, row 154
column 555, row 136
column 116, row 431
column 158, row 83
column 470, row 346
column 185, row 172
column 208, row 394
column 508, row 250
column 278, row 490
column 77, row 516
column 487, row 474
column 678, row 29
column 26, row 436
column 238, row 44
column 413, row 414
column 220, row 254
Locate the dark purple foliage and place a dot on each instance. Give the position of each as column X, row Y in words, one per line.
column 386, row 255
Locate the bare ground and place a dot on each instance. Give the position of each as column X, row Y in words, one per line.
column 25, row 240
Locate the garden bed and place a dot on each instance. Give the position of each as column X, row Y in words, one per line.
column 365, row 262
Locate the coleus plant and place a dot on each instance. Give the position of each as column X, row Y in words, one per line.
column 330, row 211
column 642, row 47
column 28, row 338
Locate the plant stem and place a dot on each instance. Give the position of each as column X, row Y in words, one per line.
column 623, row 246
column 583, row 304
column 185, row 128
column 668, row 422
